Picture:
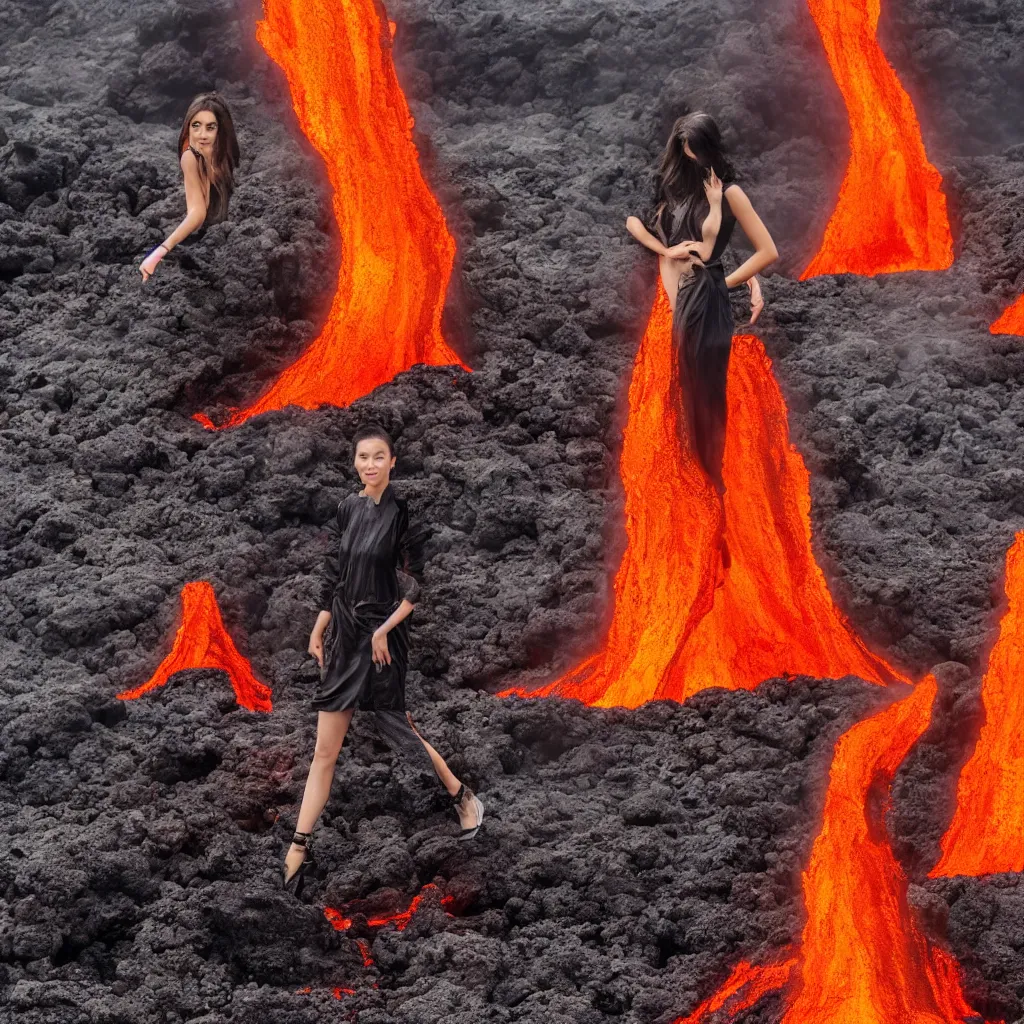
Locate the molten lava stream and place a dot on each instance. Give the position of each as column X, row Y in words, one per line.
column 986, row 835
column 202, row 641
column 862, row 958
column 891, row 212
column 1012, row 319
column 672, row 632
column 396, row 254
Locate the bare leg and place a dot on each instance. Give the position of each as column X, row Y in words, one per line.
column 468, row 816
column 331, row 728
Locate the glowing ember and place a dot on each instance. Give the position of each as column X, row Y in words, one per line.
column 339, row 992
column 891, row 213
column 862, row 958
column 1012, row 319
column 986, row 835
column 397, row 254
column 673, row 633
column 202, row 641
column 364, row 951
column 399, row 918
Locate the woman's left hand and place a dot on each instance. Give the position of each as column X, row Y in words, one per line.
column 756, row 299
column 379, row 647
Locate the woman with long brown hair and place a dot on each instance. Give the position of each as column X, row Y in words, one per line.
column 208, row 151
column 697, row 205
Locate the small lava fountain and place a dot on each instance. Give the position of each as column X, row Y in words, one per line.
column 986, row 835
column 396, row 252
column 1011, row 320
column 862, row 958
column 673, row 632
column 202, row 641
column 891, row 212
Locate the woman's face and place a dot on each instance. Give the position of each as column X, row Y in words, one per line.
column 374, row 462
column 689, row 152
column 202, row 131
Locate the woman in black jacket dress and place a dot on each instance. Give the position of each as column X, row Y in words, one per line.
column 368, row 591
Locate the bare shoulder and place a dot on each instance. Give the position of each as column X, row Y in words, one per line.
column 189, row 163
column 736, row 196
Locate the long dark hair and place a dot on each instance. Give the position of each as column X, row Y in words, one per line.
column 221, row 173
column 680, row 178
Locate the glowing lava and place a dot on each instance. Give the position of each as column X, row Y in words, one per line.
column 202, row 641
column 396, row 254
column 862, row 958
column 399, row 918
column 1012, row 319
column 986, row 835
column 672, row 632
column 891, row 213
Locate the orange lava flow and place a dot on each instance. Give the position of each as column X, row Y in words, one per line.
column 986, row 835
column 202, row 641
column 399, row 918
column 397, row 254
column 672, row 632
column 862, row 958
column 891, row 212
column 1011, row 321
column 747, row 984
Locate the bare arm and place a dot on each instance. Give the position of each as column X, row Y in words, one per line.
column 765, row 253
column 635, row 226
column 195, row 201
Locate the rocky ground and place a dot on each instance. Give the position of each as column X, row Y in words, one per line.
column 141, row 840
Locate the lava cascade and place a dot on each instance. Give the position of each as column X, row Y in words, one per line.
column 891, row 212
column 862, row 958
column 672, row 632
column 986, row 835
column 1012, row 319
column 396, row 253
column 202, row 641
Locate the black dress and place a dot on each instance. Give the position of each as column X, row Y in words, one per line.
column 702, row 328
column 371, row 565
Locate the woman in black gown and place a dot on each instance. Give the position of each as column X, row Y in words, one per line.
column 368, row 590
column 697, row 206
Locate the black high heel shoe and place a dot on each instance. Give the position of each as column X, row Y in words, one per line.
column 468, row 833
column 293, row 883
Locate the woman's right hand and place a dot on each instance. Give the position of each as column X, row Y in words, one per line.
column 316, row 646
column 149, row 264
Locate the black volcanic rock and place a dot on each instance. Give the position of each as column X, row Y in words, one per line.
column 629, row 858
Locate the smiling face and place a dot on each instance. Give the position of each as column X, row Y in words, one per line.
column 202, row 131
column 374, row 462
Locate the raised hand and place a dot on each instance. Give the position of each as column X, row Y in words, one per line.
column 713, row 189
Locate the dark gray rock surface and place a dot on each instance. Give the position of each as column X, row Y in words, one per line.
column 140, row 847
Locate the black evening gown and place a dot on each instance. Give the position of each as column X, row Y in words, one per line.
column 373, row 561
column 702, row 329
